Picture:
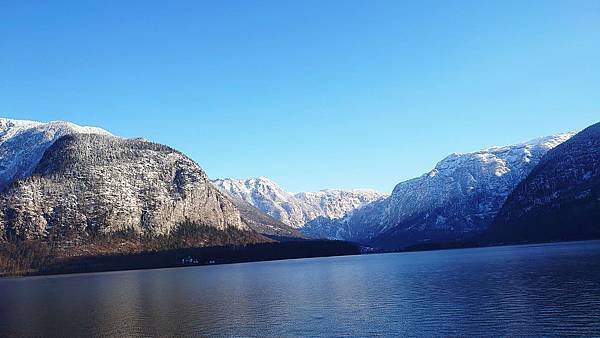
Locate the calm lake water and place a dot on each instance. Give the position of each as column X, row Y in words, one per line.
column 551, row 289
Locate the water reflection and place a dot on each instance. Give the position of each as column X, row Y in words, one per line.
column 527, row 290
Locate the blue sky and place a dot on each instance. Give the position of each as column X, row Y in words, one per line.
column 313, row 94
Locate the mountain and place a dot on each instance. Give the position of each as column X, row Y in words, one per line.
column 265, row 224
column 357, row 225
column 335, row 203
column 62, row 178
column 459, row 198
column 80, row 186
column 455, row 201
column 265, row 195
column 92, row 183
column 559, row 199
column 296, row 210
column 22, row 144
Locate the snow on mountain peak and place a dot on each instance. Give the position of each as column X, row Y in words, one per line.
column 498, row 160
column 496, row 169
column 296, row 209
column 11, row 127
column 23, row 143
column 458, row 196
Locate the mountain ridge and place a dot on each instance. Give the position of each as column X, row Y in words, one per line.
column 23, row 142
column 455, row 200
column 295, row 209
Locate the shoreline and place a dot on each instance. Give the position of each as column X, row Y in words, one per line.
column 275, row 256
column 186, row 257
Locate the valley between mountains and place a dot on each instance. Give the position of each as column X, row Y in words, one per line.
column 70, row 194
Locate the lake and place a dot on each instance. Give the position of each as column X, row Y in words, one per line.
column 548, row 289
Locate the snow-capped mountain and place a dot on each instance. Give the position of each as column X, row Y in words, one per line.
column 455, row 200
column 296, row 209
column 357, row 225
column 336, row 203
column 22, row 144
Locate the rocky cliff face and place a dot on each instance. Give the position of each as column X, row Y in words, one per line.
column 560, row 199
column 88, row 184
column 297, row 210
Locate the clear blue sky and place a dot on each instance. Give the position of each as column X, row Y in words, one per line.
column 314, row 94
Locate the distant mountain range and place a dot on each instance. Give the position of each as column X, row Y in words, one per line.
column 455, row 201
column 296, row 210
column 80, row 186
